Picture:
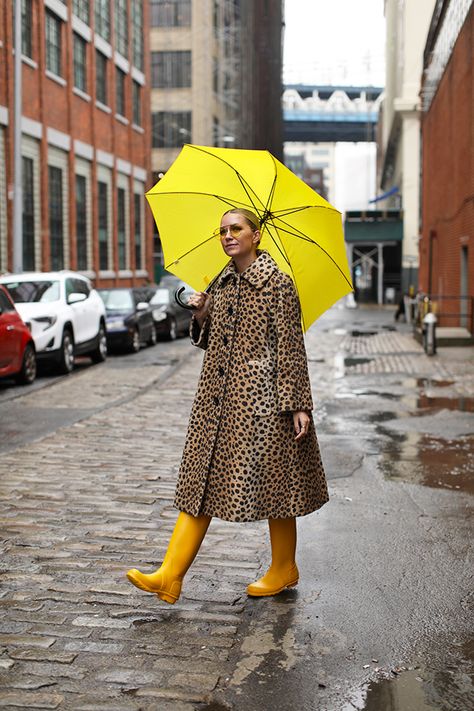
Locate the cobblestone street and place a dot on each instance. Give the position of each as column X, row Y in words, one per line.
column 92, row 498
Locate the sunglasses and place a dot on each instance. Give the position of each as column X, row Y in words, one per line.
column 234, row 230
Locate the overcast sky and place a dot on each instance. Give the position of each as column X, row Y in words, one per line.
column 334, row 42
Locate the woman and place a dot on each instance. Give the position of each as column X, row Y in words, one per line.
column 251, row 450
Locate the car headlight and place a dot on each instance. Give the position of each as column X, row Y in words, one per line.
column 115, row 324
column 159, row 315
column 44, row 322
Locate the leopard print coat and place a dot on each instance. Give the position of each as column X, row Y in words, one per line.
column 241, row 461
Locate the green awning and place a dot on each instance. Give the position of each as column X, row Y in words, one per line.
column 373, row 231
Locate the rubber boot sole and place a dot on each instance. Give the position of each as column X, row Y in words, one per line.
column 269, row 593
column 164, row 595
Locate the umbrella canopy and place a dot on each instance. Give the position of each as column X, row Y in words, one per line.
column 302, row 231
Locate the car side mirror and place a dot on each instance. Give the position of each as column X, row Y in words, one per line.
column 142, row 306
column 75, row 298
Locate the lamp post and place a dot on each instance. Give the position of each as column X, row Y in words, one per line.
column 17, row 165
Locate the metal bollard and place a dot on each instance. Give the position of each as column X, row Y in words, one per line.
column 429, row 334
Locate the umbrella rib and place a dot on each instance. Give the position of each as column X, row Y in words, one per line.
column 175, row 261
column 293, row 210
column 240, row 177
column 294, row 233
column 287, row 259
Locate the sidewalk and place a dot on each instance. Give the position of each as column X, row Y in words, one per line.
column 84, row 504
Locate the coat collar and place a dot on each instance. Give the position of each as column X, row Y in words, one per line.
column 257, row 274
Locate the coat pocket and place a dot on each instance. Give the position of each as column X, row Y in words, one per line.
column 262, row 387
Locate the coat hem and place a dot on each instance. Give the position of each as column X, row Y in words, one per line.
column 260, row 517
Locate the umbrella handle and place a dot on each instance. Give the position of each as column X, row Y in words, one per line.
column 177, row 297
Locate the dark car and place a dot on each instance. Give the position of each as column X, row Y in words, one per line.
column 129, row 319
column 170, row 319
column 17, row 348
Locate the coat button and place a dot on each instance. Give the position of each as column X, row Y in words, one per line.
column 221, row 370
column 216, row 400
column 230, row 310
column 225, row 340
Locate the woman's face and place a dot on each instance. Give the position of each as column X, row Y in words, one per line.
column 238, row 239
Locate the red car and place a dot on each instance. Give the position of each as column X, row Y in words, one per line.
column 17, row 348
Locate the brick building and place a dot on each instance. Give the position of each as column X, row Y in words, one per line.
column 447, row 243
column 85, row 138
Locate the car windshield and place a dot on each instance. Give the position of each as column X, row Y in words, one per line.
column 117, row 299
column 41, row 291
column 160, row 297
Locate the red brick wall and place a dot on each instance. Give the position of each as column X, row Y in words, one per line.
column 58, row 107
column 448, row 179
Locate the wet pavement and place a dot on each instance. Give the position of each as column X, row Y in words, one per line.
column 382, row 617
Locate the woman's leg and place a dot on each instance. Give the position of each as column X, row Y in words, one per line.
column 184, row 544
column 283, row 572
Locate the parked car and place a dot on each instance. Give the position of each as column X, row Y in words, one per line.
column 66, row 315
column 170, row 319
column 17, row 348
column 129, row 318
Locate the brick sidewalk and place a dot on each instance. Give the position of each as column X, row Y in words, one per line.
column 79, row 508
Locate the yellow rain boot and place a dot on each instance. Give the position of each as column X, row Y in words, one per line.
column 283, row 572
column 184, row 544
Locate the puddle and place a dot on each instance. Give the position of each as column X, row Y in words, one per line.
column 376, row 393
column 446, row 685
column 463, row 404
column 430, row 461
column 430, row 382
column 356, row 334
column 351, row 361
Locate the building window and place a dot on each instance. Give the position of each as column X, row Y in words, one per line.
column 171, row 129
column 102, row 18
column 121, row 27
column 81, row 9
column 137, row 104
column 170, row 69
column 137, row 34
column 26, row 27
column 103, row 225
column 81, row 221
column 56, row 228
column 170, row 13
column 53, row 43
column 80, row 67
column 28, row 215
column 137, row 204
column 121, row 229
column 101, row 78
column 120, row 92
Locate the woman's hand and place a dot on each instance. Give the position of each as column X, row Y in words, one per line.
column 301, row 424
column 202, row 303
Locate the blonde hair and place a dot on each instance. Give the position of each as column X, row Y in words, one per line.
column 249, row 216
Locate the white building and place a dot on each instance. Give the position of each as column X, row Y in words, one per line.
column 407, row 23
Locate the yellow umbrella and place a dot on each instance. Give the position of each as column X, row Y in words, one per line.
column 302, row 232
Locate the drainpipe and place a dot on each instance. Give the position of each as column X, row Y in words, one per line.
column 18, row 180
column 432, row 236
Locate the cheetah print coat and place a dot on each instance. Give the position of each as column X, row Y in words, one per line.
column 241, row 461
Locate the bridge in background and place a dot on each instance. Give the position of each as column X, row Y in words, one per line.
column 320, row 114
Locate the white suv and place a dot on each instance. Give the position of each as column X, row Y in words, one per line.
column 66, row 315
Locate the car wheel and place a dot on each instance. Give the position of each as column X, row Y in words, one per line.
column 28, row 367
column 172, row 329
column 66, row 357
column 100, row 353
column 152, row 340
column 135, row 342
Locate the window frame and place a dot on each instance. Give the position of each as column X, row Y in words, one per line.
column 81, row 223
column 80, row 62
column 56, row 217
column 53, row 49
column 102, row 18
column 120, row 92
column 103, row 95
column 103, row 223
column 171, row 69
column 170, row 13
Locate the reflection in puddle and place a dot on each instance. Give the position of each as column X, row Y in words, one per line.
column 357, row 334
column 447, row 687
column 350, row 361
column 430, row 461
column 463, row 404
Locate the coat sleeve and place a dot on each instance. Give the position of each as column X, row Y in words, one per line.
column 199, row 334
column 293, row 384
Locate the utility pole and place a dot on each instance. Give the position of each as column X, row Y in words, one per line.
column 17, row 163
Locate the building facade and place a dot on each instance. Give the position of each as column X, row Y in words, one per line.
column 407, row 23
column 447, row 244
column 215, row 75
column 85, row 138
